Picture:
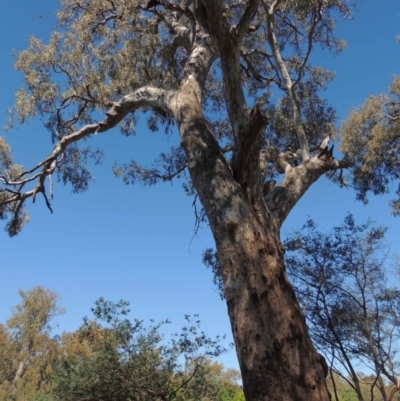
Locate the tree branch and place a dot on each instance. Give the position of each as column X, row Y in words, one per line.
column 247, row 17
column 316, row 20
column 282, row 197
column 229, row 50
column 146, row 96
column 181, row 9
column 290, row 88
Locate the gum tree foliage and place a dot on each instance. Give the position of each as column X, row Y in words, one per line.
column 131, row 361
column 27, row 347
column 342, row 279
column 233, row 78
column 371, row 138
column 7, row 357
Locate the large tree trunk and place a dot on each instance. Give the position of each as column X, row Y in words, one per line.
column 276, row 356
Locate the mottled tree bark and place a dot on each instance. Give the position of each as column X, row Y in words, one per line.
column 276, row 356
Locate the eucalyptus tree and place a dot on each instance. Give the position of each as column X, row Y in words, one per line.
column 28, row 346
column 234, row 78
column 128, row 361
column 371, row 139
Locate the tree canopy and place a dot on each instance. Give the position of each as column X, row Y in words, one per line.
column 371, row 138
column 28, row 349
column 102, row 51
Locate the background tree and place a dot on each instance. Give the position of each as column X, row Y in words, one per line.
column 108, row 358
column 343, row 391
column 340, row 388
column 7, row 361
column 343, row 281
column 371, row 139
column 28, row 348
column 213, row 382
column 235, row 79
column 130, row 361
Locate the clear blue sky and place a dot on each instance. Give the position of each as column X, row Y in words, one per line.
column 134, row 243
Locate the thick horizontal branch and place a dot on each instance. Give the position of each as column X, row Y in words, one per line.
column 147, row 96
